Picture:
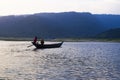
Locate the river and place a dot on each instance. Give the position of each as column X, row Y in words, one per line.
column 72, row 61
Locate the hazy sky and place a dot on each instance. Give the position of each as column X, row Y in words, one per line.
column 10, row 7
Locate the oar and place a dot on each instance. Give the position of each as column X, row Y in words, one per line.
column 29, row 45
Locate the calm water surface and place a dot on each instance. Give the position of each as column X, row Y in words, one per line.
column 73, row 61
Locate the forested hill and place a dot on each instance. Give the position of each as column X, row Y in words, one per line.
column 55, row 25
column 112, row 34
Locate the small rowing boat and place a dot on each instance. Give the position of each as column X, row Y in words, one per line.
column 54, row 45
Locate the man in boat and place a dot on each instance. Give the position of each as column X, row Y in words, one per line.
column 42, row 41
column 35, row 40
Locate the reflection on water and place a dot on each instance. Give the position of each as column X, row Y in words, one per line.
column 73, row 61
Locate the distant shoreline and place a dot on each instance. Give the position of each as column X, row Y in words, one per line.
column 64, row 39
column 15, row 39
column 89, row 40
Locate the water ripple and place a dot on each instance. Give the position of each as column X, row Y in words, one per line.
column 74, row 61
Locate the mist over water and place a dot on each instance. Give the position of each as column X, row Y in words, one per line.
column 73, row 61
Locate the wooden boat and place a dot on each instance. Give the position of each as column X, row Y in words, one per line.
column 55, row 45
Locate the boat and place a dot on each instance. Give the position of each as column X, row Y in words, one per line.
column 55, row 45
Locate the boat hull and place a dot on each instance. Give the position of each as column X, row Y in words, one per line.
column 39, row 46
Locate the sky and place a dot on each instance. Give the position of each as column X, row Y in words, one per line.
column 18, row 7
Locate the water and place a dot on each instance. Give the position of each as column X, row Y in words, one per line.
column 73, row 61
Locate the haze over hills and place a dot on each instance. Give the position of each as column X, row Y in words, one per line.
column 109, row 21
column 57, row 25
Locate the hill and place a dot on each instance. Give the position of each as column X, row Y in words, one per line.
column 110, row 34
column 50, row 25
column 56, row 25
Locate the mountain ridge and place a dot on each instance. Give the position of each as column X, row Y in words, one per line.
column 55, row 25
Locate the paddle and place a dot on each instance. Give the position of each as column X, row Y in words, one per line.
column 29, row 45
